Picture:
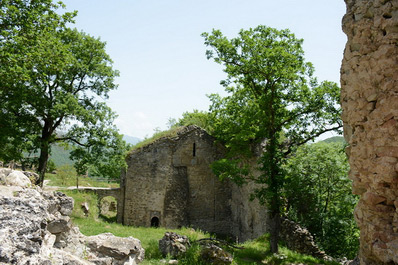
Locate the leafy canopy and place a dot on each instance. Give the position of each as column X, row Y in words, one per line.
column 54, row 81
column 273, row 99
column 318, row 196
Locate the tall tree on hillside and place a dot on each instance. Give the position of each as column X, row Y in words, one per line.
column 53, row 80
column 272, row 96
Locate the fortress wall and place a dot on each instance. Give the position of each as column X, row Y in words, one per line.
column 369, row 97
column 148, row 175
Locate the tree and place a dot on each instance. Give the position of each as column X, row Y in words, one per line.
column 273, row 96
column 198, row 118
column 53, row 80
column 317, row 175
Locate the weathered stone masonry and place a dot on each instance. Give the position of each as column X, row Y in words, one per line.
column 170, row 183
column 369, row 97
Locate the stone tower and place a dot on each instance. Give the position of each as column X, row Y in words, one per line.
column 369, row 97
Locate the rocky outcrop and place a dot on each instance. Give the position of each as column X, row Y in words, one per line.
column 300, row 239
column 173, row 244
column 35, row 228
column 214, row 254
column 369, row 97
column 176, row 246
column 14, row 178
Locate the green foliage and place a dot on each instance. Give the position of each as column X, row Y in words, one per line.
column 60, row 155
column 66, row 176
column 202, row 119
column 156, row 136
column 51, row 166
column 231, row 169
column 318, row 196
column 272, row 95
column 53, row 79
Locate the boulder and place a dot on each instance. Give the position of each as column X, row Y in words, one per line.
column 4, row 172
column 173, row 244
column 17, row 178
column 34, row 177
column 35, row 229
column 126, row 251
column 215, row 255
column 62, row 224
column 299, row 239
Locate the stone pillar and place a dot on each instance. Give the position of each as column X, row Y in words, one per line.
column 369, row 97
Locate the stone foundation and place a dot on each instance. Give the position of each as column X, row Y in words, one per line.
column 369, row 97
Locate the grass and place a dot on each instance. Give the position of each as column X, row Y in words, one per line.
column 66, row 177
column 158, row 135
column 254, row 252
column 257, row 252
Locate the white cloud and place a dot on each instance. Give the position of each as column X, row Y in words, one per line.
column 137, row 124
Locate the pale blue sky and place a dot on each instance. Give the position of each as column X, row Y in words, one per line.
column 157, row 47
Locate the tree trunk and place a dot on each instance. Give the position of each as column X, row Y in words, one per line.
column 275, row 229
column 43, row 158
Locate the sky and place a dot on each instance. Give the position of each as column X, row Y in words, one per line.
column 158, row 49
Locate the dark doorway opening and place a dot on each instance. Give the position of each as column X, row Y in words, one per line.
column 194, row 149
column 155, row 222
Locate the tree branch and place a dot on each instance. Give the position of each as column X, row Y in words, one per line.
column 306, row 140
column 70, row 139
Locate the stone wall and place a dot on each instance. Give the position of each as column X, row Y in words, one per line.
column 249, row 218
column 369, row 97
column 171, row 179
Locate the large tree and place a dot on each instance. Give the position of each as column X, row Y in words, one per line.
column 53, row 82
column 272, row 98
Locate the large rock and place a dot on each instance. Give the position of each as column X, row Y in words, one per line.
column 4, row 172
column 173, row 244
column 369, row 98
column 35, row 229
column 127, row 251
column 17, row 178
column 215, row 255
column 34, row 177
column 299, row 239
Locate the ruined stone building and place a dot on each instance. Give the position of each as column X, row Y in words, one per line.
column 369, row 97
column 169, row 183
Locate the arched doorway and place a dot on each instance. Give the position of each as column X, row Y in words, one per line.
column 108, row 208
column 155, row 222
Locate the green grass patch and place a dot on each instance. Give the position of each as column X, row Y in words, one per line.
column 173, row 132
column 258, row 252
column 66, row 177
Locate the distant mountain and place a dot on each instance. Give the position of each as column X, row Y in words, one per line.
column 335, row 139
column 131, row 139
column 60, row 156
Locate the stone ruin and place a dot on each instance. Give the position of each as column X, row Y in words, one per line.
column 369, row 97
column 169, row 183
